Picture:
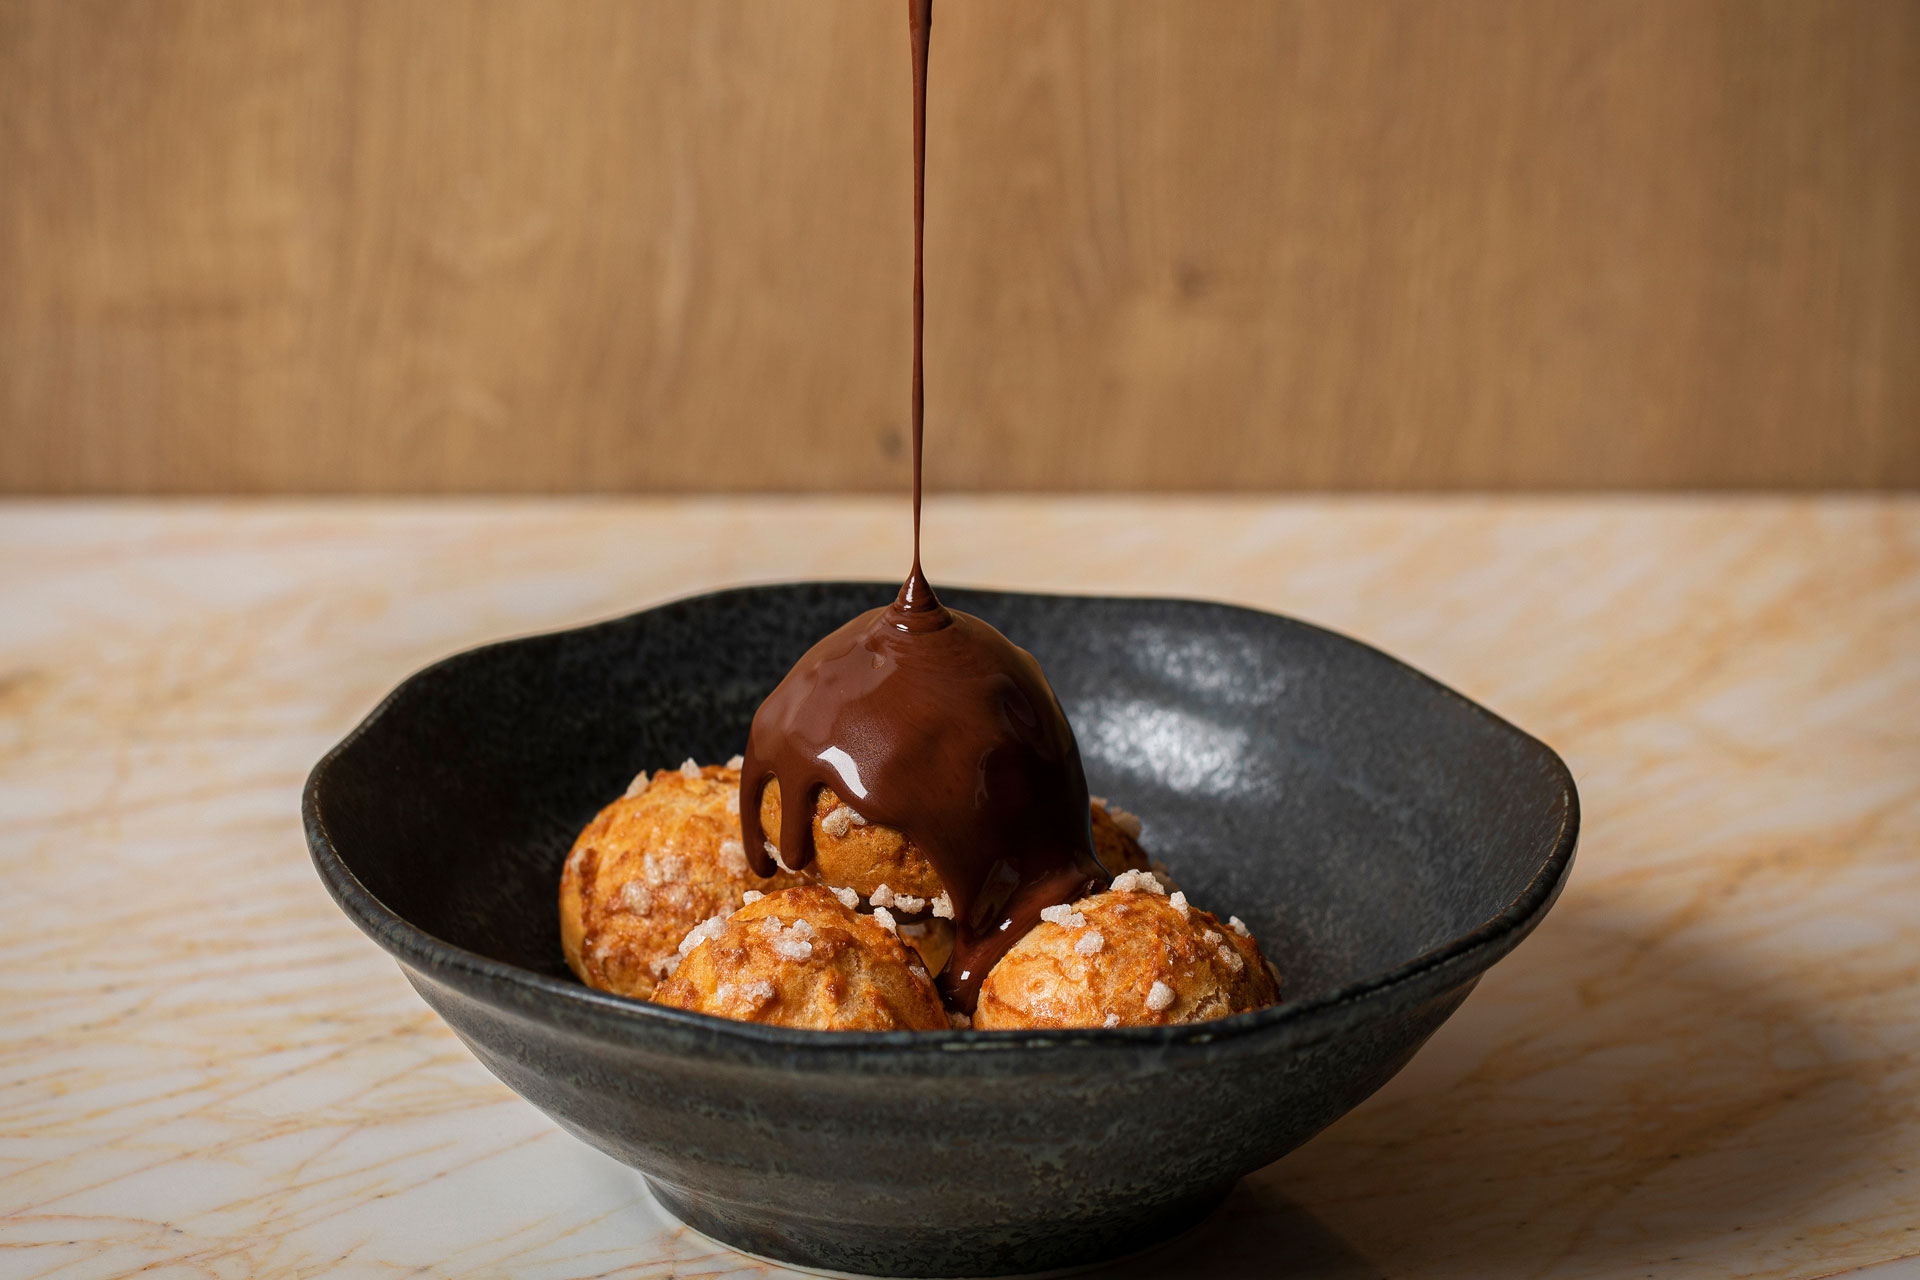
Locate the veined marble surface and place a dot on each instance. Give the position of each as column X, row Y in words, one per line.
column 1705, row 1063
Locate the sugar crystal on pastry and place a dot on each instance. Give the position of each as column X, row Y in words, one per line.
column 663, row 868
column 1137, row 881
column 792, row 942
column 700, row 933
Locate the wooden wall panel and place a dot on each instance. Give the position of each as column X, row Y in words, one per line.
column 442, row 245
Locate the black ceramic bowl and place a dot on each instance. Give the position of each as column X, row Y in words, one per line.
column 1386, row 839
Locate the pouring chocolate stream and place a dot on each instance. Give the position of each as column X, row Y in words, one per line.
column 929, row 721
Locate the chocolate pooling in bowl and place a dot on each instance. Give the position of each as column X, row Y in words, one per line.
column 929, row 721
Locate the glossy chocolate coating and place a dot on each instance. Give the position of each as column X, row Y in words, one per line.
column 931, row 722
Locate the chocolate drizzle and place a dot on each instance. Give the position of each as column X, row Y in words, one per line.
column 931, row 722
column 916, row 591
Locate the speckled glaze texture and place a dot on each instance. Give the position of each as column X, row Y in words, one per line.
column 1386, row 839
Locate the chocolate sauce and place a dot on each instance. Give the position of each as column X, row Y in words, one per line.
column 929, row 721
column 920, row 29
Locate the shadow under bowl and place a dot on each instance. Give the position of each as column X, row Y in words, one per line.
column 1385, row 839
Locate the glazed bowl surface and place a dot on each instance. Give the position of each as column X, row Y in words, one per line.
column 1386, row 840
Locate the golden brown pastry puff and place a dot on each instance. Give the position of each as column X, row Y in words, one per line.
column 651, row 866
column 1130, row 957
column 851, row 853
column 801, row 958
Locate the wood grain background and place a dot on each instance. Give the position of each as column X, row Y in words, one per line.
column 441, row 245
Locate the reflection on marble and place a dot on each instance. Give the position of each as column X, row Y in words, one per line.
column 1704, row 1064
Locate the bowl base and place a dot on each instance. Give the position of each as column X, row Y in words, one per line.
column 1028, row 1253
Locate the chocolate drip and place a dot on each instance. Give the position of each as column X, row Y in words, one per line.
column 917, row 593
column 933, row 723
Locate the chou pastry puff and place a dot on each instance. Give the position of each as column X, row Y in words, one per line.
column 802, row 958
column 653, row 864
column 1132, row 956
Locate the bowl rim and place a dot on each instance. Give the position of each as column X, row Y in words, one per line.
column 574, row 1004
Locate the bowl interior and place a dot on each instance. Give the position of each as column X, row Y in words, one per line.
column 1353, row 812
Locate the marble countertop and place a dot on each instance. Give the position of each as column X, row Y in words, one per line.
column 1705, row 1063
